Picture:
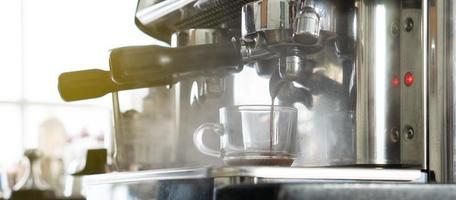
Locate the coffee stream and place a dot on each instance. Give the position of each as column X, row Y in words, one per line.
column 275, row 84
column 271, row 124
column 274, row 91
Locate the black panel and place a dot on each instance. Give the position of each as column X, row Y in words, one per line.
column 411, row 4
column 348, row 191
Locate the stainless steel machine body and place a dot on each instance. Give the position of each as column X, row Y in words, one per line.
column 390, row 119
column 385, row 42
column 372, row 80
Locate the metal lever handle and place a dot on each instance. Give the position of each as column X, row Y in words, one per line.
column 151, row 63
column 87, row 84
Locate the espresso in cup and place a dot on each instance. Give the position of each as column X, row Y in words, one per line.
column 262, row 160
column 246, row 137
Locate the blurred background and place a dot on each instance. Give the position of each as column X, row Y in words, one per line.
column 39, row 40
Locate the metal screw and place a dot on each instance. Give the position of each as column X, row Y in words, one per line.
column 409, row 132
column 394, row 134
column 409, row 24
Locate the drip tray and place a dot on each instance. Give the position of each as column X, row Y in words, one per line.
column 266, row 174
column 200, row 183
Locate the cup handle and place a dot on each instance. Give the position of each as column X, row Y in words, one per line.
column 199, row 134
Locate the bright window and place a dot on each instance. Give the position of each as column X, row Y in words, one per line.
column 40, row 39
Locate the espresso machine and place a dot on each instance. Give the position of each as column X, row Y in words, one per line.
column 372, row 81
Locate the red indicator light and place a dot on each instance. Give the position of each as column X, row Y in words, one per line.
column 408, row 79
column 396, row 81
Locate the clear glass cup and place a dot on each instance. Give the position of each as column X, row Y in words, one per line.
column 248, row 138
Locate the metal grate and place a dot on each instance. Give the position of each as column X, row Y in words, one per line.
column 221, row 11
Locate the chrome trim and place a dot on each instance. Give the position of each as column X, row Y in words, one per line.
column 156, row 11
column 440, row 55
column 280, row 174
column 425, row 39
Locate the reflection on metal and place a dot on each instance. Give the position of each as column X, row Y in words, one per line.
column 292, row 68
column 380, row 85
column 307, row 24
column 150, row 12
column 198, row 37
column 117, row 129
column 272, row 18
column 194, row 94
column 265, row 15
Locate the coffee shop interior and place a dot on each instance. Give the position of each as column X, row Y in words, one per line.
column 40, row 40
column 227, row 99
